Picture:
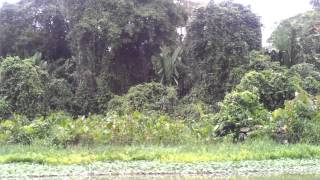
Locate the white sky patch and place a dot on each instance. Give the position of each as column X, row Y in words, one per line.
column 9, row 1
column 271, row 11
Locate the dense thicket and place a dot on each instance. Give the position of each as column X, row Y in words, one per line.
column 125, row 61
column 93, row 50
column 98, row 48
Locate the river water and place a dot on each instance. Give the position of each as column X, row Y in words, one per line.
column 143, row 170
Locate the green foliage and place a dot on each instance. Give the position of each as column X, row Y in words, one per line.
column 257, row 62
column 269, row 87
column 102, row 57
column 285, row 39
column 113, row 43
column 150, row 97
column 260, row 62
column 141, row 128
column 150, row 157
column 297, row 39
column 298, row 121
column 305, row 70
column 23, row 85
column 135, row 128
column 58, row 95
column 238, row 111
column 67, row 131
column 85, row 99
column 310, row 77
column 122, row 37
column 167, row 65
column 99, row 47
column 5, row 109
column 16, row 130
column 191, row 110
column 311, row 85
column 219, row 40
column 273, row 87
column 24, row 30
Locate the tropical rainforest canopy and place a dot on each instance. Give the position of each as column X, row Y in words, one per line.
column 126, row 58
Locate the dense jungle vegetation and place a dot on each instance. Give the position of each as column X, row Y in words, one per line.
column 117, row 72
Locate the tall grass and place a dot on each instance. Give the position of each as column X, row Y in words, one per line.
column 220, row 152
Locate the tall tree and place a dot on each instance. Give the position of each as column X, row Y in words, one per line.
column 297, row 39
column 218, row 41
column 34, row 26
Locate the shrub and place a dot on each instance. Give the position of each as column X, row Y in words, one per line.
column 273, row 88
column 192, row 109
column 298, row 120
column 311, row 133
column 141, row 128
column 15, row 130
column 311, row 85
column 310, row 76
column 306, row 70
column 260, row 62
column 240, row 111
column 23, row 84
column 5, row 109
column 149, row 97
column 58, row 95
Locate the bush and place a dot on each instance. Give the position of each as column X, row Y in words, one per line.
column 141, row 128
column 16, row 130
column 298, row 121
column 5, row 109
column 273, row 88
column 311, row 133
column 306, row 70
column 23, row 85
column 310, row 76
column 311, row 85
column 261, row 62
column 240, row 113
column 149, row 97
column 58, row 95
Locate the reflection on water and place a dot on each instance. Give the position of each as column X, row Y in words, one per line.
column 278, row 177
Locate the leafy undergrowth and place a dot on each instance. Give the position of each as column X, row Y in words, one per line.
column 263, row 150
